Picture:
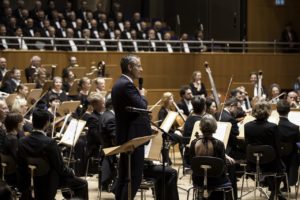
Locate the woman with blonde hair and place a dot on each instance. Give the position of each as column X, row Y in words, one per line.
column 197, row 85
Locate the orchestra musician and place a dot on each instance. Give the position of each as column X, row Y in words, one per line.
column 207, row 145
column 39, row 145
column 186, row 100
column 292, row 99
column 274, row 92
column 197, row 86
column 100, row 84
column 41, row 78
column 56, row 89
column 254, row 76
column 262, row 132
column 288, row 133
column 129, row 125
column 31, row 71
column 235, row 147
column 10, row 84
column 68, row 81
column 197, row 114
column 211, row 106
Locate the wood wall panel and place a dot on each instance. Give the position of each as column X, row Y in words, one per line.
column 164, row 71
column 266, row 21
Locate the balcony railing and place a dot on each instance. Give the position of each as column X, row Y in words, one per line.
column 121, row 45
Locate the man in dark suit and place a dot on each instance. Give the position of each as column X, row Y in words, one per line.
column 288, row 133
column 93, row 123
column 31, row 71
column 228, row 114
column 186, row 100
column 129, row 125
column 38, row 145
column 11, row 84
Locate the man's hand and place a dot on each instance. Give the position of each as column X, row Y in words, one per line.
column 143, row 92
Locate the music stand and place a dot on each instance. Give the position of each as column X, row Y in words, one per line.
column 10, row 99
column 34, row 95
column 128, row 148
column 47, row 85
column 67, row 107
column 30, row 86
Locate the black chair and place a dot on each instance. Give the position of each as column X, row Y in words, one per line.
column 147, row 184
column 8, row 164
column 9, row 167
column 40, row 167
column 207, row 166
column 259, row 155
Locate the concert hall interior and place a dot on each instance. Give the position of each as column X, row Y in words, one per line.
column 166, row 100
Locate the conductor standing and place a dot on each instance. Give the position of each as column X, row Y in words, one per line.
column 129, row 125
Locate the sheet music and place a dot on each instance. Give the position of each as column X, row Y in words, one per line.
column 222, row 132
column 73, row 132
column 294, row 117
column 169, row 121
column 153, row 149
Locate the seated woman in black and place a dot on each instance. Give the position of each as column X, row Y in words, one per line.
column 13, row 124
column 262, row 132
column 206, row 145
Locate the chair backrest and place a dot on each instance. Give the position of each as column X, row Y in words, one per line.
column 285, row 148
column 10, row 164
column 41, row 166
column 215, row 166
column 265, row 153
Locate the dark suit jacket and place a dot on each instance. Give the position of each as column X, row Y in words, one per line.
column 227, row 117
column 289, row 133
column 29, row 74
column 41, row 146
column 264, row 133
column 9, row 86
column 93, row 134
column 108, row 128
column 129, row 125
column 182, row 105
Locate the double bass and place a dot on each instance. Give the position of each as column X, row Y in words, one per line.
column 212, row 83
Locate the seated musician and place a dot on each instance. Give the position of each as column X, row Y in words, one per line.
column 292, row 98
column 274, row 92
column 13, row 124
column 41, row 78
column 72, row 63
column 100, row 84
column 56, row 89
column 84, row 89
column 254, row 81
column 167, row 103
column 197, row 114
column 11, row 81
column 262, row 132
column 22, row 91
column 288, row 133
column 69, row 80
column 239, row 95
column 235, row 147
column 20, row 106
column 97, row 102
column 31, row 70
column 38, row 145
column 186, row 100
column 211, row 106
column 207, row 145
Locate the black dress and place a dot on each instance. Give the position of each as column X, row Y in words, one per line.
column 195, row 92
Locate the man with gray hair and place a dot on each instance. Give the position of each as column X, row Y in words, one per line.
column 129, row 125
column 31, row 71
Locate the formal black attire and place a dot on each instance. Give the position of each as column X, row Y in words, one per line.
column 10, row 148
column 195, row 91
column 129, row 126
column 219, row 152
column 155, row 172
column 40, row 146
column 30, row 73
column 182, row 105
column 232, row 146
column 9, row 86
column 289, row 133
column 262, row 132
column 94, row 132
